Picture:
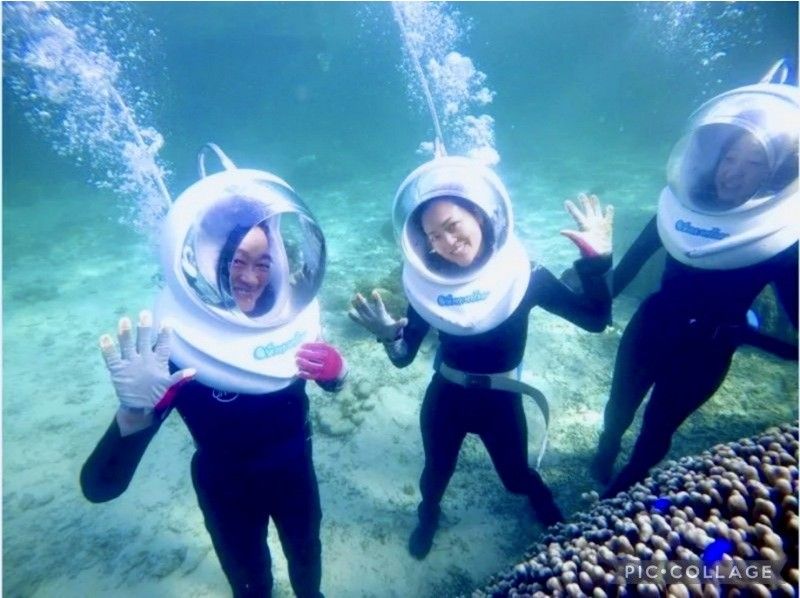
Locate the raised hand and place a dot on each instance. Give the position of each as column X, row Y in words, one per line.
column 594, row 233
column 140, row 371
column 373, row 316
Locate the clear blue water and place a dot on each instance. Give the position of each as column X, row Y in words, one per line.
column 588, row 96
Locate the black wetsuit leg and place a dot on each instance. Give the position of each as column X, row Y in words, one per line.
column 500, row 422
column 237, row 521
column 638, row 359
column 297, row 515
column 237, row 501
column 443, row 431
column 693, row 371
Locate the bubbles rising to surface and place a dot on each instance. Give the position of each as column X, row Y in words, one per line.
column 78, row 69
column 457, row 87
column 704, row 33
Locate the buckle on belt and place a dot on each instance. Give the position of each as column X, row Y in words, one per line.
column 477, row 381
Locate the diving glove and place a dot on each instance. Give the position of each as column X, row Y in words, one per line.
column 140, row 372
column 319, row 361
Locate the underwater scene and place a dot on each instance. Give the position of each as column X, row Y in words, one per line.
column 105, row 108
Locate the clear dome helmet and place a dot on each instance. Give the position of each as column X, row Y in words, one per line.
column 740, row 150
column 469, row 184
column 203, row 234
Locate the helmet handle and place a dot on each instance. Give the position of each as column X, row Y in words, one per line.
column 227, row 163
column 781, row 73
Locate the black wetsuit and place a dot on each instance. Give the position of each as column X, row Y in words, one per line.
column 252, row 463
column 680, row 342
column 450, row 411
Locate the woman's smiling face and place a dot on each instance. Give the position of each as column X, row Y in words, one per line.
column 250, row 269
column 741, row 171
column 453, row 232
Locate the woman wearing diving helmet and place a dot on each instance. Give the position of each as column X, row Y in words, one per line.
column 243, row 260
column 467, row 276
column 728, row 222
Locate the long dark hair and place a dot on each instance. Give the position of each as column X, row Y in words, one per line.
column 266, row 300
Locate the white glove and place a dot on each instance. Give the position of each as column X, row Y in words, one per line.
column 140, row 374
column 594, row 237
column 374, row 317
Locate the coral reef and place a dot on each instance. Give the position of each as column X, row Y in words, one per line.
column 344, row 412
column 741, row 495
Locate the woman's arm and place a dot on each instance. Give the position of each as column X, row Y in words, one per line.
column 777, row 347
column 642, row 249
column 786, row 289
column 109, row 469
column 589, row 307
column 786, row 284
column 146, row 390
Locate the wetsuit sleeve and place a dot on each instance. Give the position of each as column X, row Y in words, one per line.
column 770, row 344
column 642, row 249
column 589, row 308
column 786, row 289
column 334, row 385
column 110, row 468
column 403, row 350
column 786, row 285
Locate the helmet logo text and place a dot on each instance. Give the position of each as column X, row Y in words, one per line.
column 684, row 226
column 273, row 349
column 452, row 301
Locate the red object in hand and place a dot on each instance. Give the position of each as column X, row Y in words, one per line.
column 319, row 361
column 165, row 402
column 584, row 246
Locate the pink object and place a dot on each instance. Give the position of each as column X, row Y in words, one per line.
column 584, row 246
column 319, row 361
column 165, row 402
